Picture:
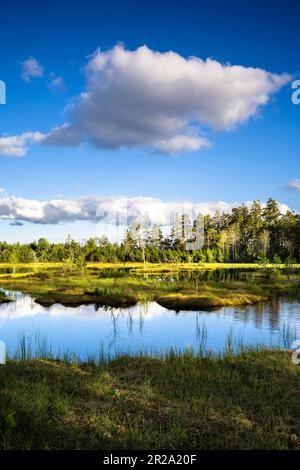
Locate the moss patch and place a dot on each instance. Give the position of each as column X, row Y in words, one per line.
column 194, row 302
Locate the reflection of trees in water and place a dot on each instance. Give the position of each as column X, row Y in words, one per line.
column 201, row 333
column 141, row 323
column 130, row 324
column 214, row 275
column 269, row 311
column 245, row 314
column 131, row 321
column 117, row 315
column 271, row 321
column 273, row 308
column 266, row 318
column 259, row 312
column 116, row 330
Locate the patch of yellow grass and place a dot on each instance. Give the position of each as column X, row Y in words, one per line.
column 151, row 267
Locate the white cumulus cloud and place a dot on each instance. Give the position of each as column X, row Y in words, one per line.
column 162, row 101
column 31, row 68
column 17, row 145
column 106, row 209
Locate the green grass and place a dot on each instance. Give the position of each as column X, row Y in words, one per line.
column 208, row 300
column 183, row 289
column 186, row 401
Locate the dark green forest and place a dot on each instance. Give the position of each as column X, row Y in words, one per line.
column 255, row 234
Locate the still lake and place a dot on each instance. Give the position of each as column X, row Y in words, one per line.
column 150, row 328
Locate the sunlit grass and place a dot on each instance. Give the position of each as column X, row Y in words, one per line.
column 178, row 290
column 149, row 266
column 248, row 400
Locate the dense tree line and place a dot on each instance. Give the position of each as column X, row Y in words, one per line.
column 245, row 235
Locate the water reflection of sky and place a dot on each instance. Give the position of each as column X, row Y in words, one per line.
column 148, row 327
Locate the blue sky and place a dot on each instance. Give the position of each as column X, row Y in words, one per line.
column 254, row 159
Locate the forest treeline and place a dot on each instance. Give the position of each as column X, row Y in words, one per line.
column 255, row 234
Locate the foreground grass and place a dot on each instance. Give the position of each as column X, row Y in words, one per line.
column 248, row 401
column 183, row 289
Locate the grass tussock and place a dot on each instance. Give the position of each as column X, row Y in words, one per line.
column 194, row 302
column 183, row 289
column 186, row 401
column 4, row 298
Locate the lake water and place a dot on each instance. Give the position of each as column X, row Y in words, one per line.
column 87, row 330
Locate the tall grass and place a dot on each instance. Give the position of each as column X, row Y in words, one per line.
column 33, row 346
column 36, row 346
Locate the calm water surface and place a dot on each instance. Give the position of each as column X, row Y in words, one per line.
column 148, row 327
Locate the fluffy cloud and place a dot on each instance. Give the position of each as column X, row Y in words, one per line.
column 17, row 145
column 56, row 84
column 31, row 68
column 182, row 143
column 147, row 99
column 294, row 185
column 162, row 101
column 105, row 209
